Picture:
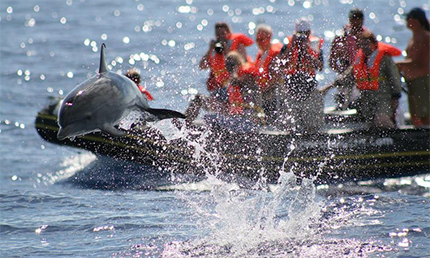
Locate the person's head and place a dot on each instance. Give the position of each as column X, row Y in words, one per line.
column 303, row 28
column 263, row 36
column 417, row 18
column 368, row 43
column 233, row 62
column 222, row 31
column 356, row 18
column 133, row 75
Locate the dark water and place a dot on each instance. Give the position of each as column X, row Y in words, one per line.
column 58, row 201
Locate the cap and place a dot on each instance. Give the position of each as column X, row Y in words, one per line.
column 303, row 25
column 356, row 13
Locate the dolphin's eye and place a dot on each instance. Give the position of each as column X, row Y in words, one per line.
column 88, row 117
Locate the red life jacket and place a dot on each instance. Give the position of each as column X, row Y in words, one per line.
column 146, row 92
column 239, row 38
column 367, row 75
column 235, row 98
column 315, row 45
column 261, row 67
column 218, row 76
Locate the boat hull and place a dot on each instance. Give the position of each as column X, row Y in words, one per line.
column 330, row 157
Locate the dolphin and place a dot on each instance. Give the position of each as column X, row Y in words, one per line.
column 100, row 102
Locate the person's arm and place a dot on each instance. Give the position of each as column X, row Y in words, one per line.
column 345, row 78
column 393, row 77
column 204, row 62
column 316, row 63
column 336, row 54
column 281, row 60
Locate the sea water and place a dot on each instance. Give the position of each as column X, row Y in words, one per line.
column 59, row 201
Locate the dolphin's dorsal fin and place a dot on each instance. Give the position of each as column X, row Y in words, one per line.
column 103, row 67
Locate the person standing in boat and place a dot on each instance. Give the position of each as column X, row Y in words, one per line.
column 301, row 59
column 263, row 70
column 343, row 51
column 134, row 75
column 376, row 76
column 416, row 67
column 214, row 58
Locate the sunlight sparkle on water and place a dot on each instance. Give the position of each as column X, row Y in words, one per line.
column 30, row 22
column 307, row 4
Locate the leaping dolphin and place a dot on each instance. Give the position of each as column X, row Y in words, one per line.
column 100, row 102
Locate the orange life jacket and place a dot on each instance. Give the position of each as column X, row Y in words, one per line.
column 146, row 92
column 367, row 77
column 315, row 45
column 261, row 67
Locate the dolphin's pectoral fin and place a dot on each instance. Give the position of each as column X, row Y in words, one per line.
column 164, row 113
column 112, row 131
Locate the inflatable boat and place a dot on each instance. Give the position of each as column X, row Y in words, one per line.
column 336, row 154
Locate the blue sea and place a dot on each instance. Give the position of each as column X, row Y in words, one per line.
column 57, row 201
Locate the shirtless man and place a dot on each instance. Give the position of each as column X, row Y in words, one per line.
column 416, row 67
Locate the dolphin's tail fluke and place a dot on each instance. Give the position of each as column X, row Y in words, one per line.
column 165, row 113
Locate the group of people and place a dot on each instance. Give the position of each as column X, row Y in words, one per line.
column 279, row 87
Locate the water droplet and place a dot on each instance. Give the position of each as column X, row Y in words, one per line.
column 9, row 9
column 63, row 20
column 36, row 8
column 126, row 40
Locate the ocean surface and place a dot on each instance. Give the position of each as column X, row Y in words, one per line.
column 64, row 202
